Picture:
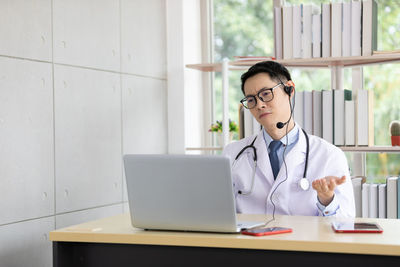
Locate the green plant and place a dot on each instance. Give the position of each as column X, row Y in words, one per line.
column 395, row 128
column 217, row 127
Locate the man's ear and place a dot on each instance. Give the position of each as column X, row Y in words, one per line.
column 293, row 92
column 290, row 83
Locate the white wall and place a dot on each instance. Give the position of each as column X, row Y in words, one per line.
column 81, row 83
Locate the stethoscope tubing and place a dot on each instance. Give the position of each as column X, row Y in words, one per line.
column 241, row 192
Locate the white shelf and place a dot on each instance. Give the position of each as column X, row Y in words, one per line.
column 203, row 148
column 377, row 149
column 307, row 63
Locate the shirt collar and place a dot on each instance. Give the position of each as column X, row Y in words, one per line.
column 293, row 136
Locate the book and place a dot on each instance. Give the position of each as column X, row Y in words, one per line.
column 391, row 197
column 307, row 114
column 356, row 26
column 364, row 118
column 306, row 31
column 326, row 30
column 373, row 201
column 369, row 27
column 357, row 182
column 339, row 97
column 317, row 112
column 346, row 29
column 365, row 201
column 382, row 201
column 298, row 108
column 278, row 33
column 349, row 127
column 287, row 30
column 297, row 27
column 316, row 35
column 327, row 115
column 336, row 30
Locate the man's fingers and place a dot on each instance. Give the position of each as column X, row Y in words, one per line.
column 324, row 185
column 328, row 183
column 313, row 184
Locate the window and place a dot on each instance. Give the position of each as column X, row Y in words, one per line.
column 240, row 28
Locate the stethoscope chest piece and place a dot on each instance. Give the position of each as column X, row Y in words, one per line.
column 304, row 184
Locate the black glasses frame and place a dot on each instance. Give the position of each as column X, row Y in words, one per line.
column 259, row 97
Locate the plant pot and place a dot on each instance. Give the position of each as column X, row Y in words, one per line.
column 220, row 138
column 396, row 140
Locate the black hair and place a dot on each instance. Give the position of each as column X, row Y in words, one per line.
column 275, row 71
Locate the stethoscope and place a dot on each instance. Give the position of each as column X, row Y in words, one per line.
column 303, row 183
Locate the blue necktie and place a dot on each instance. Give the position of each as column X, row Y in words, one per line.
column 273, row 156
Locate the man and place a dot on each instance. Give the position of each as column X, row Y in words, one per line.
column 276, row 184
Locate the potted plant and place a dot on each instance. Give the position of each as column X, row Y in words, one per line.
column 395, row 132
column 217, row 128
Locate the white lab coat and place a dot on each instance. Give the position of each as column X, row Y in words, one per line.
column 325, row 159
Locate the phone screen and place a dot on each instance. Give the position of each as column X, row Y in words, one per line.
column 267, row 231
column 352, row 227
column 363, row 226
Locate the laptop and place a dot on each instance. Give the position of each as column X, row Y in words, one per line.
column 182, row 193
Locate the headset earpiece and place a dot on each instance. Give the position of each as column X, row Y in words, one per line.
column 288, row 89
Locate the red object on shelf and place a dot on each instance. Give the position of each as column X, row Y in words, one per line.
column 395, row 140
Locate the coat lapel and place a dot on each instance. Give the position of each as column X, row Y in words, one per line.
column 263, row 162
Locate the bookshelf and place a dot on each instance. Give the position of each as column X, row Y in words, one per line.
column 335, row 64
column 341, row 62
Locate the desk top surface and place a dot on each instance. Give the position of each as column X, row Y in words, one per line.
column 312, row 234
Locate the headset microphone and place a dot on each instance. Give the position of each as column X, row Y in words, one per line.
column 280, row 125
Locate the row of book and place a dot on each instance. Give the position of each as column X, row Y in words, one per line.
column 377, row 200
column 330, row 30
column 338, row 116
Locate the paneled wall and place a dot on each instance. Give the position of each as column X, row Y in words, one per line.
column 81, row 83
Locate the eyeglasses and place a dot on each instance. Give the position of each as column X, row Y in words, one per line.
column 265, row 95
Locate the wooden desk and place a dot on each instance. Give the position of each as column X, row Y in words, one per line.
column 114, row 242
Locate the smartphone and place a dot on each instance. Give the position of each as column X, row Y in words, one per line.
column 353, row 227
column 267, row 231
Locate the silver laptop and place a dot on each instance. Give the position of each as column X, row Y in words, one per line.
column 182, row 192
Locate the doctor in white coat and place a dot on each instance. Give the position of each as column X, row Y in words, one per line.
column 267, row 175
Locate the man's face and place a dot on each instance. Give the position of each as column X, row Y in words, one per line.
column 269, row 113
